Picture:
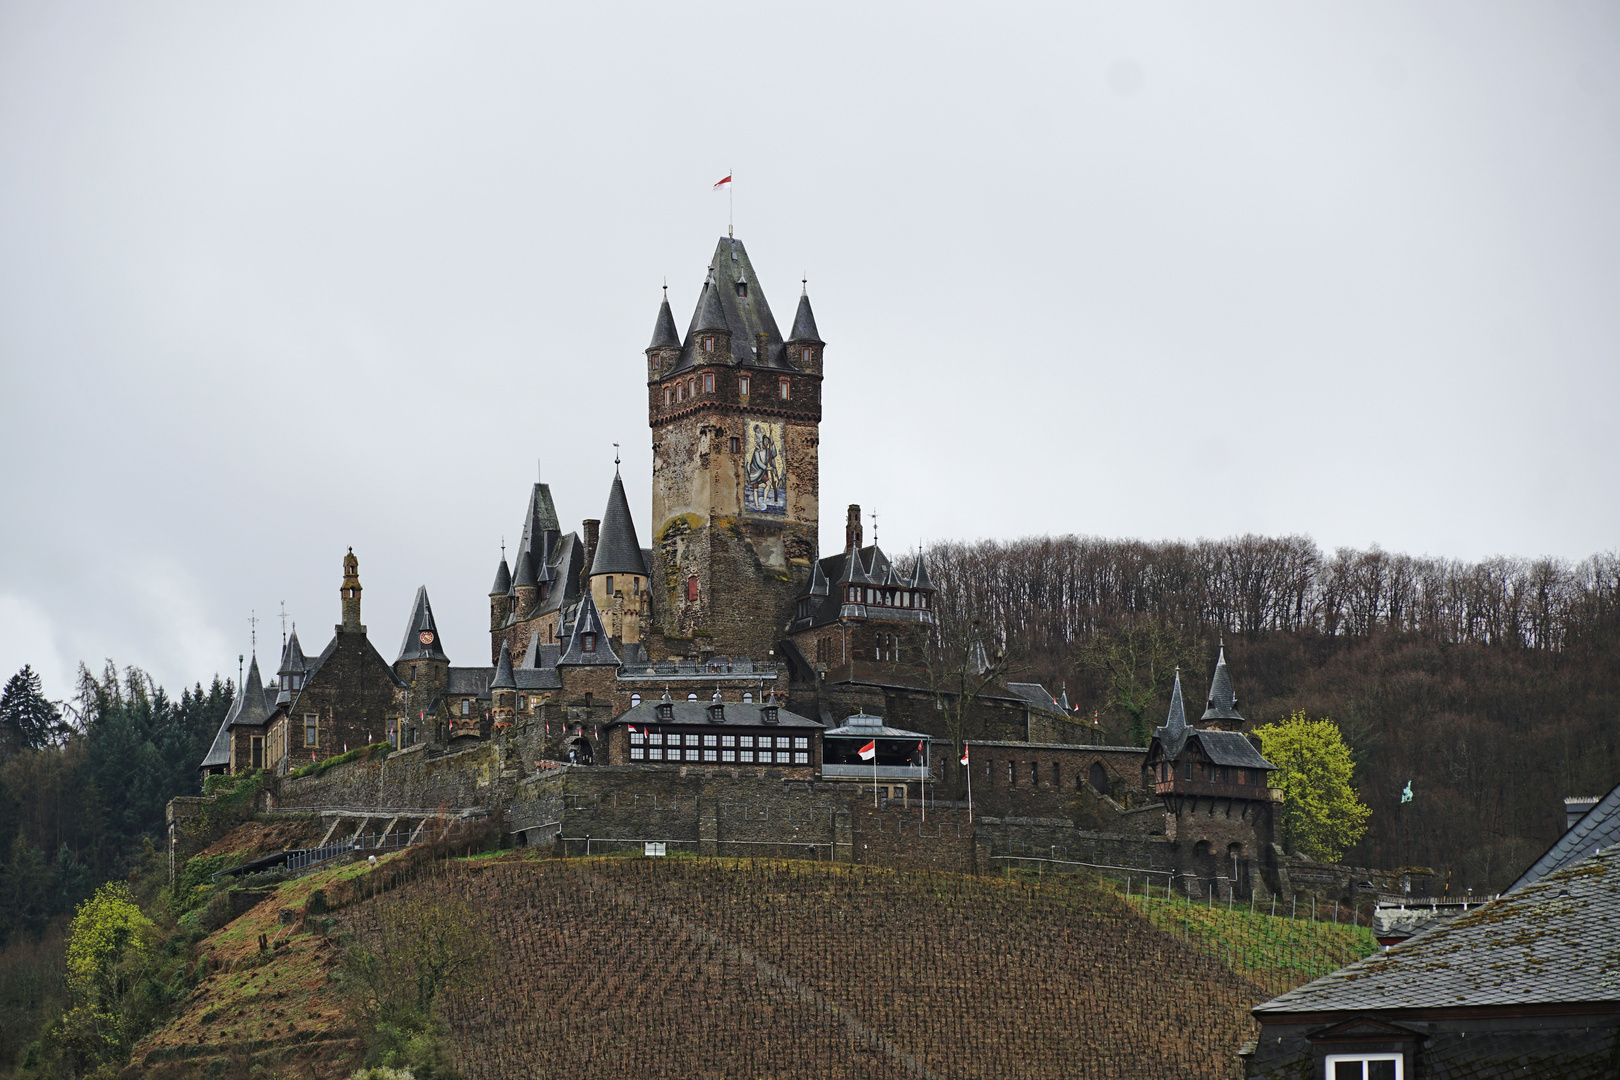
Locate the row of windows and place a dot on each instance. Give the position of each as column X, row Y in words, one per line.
column 746, row 757
column 292, row 682
column 887, row 648
column 857, row 594
column 657, row 738
column 1211, row 773
column 681, row 390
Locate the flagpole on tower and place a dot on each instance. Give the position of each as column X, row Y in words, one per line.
column 731, row 206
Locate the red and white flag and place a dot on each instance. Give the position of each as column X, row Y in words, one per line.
column 723, row 183
column 964, row 753
column 869, row 751
column 632, row 728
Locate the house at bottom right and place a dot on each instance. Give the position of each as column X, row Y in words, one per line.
column 1525, row 986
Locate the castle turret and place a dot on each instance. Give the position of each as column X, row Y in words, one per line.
column 351, row 596
column 500, row 596
column 666, row 342
column 525, row 590
column 503, row 690
column 294, row 666
column 1222, row 714
column 618, row 571
column 804, row 343
column 422, row 662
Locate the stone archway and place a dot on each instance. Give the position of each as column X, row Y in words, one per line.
column 580, row 752
column 1097, row 777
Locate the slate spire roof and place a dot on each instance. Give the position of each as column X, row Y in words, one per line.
column 503, row 579
column 248, row 709
column 1222, row 698
column 504, row 679
column 919, row 574
column 755, row 339
column 421, row 633
column 665, row 336
column 1173, row 735
column 617, row 549
column 293, row 660
column 525, row 572
column 804, row 322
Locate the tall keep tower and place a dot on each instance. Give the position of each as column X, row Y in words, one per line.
column 735, row 411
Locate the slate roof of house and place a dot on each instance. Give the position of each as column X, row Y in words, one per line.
column 861, row 726
column 470, row 680
column 1231, row 748
column 1556, row 940
column 1222, row 698
column 746, row 317
column 804, row 322
column 1036, row 695
column 219, row 752
column 1599, row 827
column 870, row 567
column 665, row 336
column 331, row 647
column 742, row 714
column 421, row 622
column 617, row 549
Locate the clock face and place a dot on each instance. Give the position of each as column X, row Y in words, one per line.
column 426, row 636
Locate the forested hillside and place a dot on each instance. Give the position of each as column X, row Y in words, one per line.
column 1493, row 687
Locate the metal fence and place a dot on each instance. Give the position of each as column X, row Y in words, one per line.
column 302, row 862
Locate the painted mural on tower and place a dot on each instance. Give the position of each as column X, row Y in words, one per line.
column 764, row 472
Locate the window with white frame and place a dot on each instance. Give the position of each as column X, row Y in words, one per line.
column 1365, row 1067
column 637, row 753
column 466, row 706
column 691, row 740
column 728, row 740
column 711, row 740
column 742, row 386
column 745, row 740
column 635, row 699
column 728, row 755
column 637, row 738
column 801, row 743
column 711, row 755
column 655, row 738
column 746, row 756
column 801, row 758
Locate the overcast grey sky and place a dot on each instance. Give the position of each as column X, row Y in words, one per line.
column 276, row 279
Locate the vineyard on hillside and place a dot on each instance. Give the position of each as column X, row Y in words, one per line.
column 614, row 967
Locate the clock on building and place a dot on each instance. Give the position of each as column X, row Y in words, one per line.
column 426, row 637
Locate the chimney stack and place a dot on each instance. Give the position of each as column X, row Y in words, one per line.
column 852, row 529
column 593, row 532
column 351, row 596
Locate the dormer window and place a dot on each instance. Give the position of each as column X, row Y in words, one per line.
column 742, row 386
column 783, row 386
column 587, row 642
column 742, row 289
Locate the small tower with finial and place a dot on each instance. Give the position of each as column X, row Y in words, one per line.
column 351, row 596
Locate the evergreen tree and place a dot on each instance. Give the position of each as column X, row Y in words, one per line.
column 27, row 720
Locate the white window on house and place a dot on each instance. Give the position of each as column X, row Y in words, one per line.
column 711, row 740
column 637, row 753
column 784, row 388
column 656, row 738
column 746, row 756
column 466, row 706
column 745, row 740
column 691, row 697
column 523, row 701
column 748, row 697
column 669, row 395
column 711, row 755
column 1365, row 1067
column 691, row 740
column 637, row 738
column 691, row 387
column 655, row 755
column 708, row 382
column 801, row 758
column 801, row 743
column 708, row 344
column 742, row 386
column 311, row 729
column 635, row 699
column 728, row 755
column 807, row 354
column 728, row 740
column 680, row 391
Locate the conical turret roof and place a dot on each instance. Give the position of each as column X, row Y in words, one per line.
column 421, row 633
column 919, row 574
column 503, row 579
column 1173, row 736
column 711, row 313
column 665, row 336
column 504, row 679
column 617, row 549
column 249, row 710
column 524, row 579
column 293, row 660
column 804, row 323
column 1222, row 698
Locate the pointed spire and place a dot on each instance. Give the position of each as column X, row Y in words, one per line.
column 252, row 712
column 919, row 574
column 1222, row 700
column 617, row 549
column 504, row 679
column 804, row 323
column 818, row 580
column 421, row 633
column 1177, row 718
column 711, row 314
column 525, row 572
column 665, row 336
column 293, row 660
column 503, row 579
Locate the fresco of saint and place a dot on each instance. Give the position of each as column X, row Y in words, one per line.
column 764, row 470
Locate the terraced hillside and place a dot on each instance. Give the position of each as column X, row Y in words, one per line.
column 686, row 967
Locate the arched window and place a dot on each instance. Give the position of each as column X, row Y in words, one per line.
column 635, row 699
column 680, row 391
column 691, row 697
column 691, row 589
column 748, row 697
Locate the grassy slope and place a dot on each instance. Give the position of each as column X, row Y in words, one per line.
column 612, row 967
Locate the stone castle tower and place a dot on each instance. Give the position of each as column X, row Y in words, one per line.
column 735, row 411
